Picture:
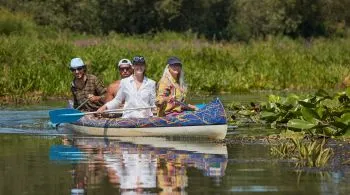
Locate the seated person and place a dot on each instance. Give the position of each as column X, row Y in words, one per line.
column 137, row 91
column 172, row 90
column 88, row 91
column 125, row 70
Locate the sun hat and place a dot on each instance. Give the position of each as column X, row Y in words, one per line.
column 124, row 62
column 76, row 62
column 174, row 60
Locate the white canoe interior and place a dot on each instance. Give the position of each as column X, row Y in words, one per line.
column 208, row 131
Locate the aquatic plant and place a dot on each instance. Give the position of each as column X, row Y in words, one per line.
column 312, row 154
column 318, row 114
column 303, row 152
column 283, row 150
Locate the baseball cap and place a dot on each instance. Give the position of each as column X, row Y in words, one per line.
column 174, row 60
column 124, row 62
column 138, row 60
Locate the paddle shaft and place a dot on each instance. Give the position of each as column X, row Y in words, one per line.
column 71, row 115
column 112, row 110
column 82, row 104
column 183, row 104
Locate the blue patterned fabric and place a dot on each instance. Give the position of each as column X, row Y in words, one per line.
column 211, row 114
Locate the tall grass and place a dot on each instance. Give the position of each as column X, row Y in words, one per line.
column 36, row 63
column 305, row 153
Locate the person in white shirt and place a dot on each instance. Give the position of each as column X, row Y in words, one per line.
column 137, row 91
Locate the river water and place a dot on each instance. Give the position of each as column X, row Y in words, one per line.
column 38, row 159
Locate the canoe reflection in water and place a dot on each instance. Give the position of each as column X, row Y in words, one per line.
column 145, row 165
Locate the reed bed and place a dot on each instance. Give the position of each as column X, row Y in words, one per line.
column 39, row 65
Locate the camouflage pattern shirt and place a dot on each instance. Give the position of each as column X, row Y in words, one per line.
column 90, row 85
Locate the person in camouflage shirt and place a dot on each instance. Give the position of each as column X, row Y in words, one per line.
column 88, row 91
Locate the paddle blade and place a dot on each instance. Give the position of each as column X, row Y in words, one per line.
column 200, row 106
column 65, row 115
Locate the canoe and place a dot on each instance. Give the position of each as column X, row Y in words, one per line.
column 210, row 122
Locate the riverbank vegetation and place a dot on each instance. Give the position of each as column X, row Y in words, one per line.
column 321, row 114
column 34, row 60
column 306, row 123
column 240, row 20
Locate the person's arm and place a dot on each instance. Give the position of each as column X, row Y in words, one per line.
column 163, row 96
column 75, row 101
column 118, row 99
column 100, row 91
column 112, row 91
column 153, row 95
column 163, row 92
column 100, row 88
column 115, row 102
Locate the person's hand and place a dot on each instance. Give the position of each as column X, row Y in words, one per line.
column 93, row 98
column 171, row 99
column 101, row 109
column 165, row 100
column 192, row 107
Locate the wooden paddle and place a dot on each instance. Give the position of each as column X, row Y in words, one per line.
column 68, row 115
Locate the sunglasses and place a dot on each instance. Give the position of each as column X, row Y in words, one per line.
column 124, row 69
column 138, row 59
column 74, row 69
column 175, row 65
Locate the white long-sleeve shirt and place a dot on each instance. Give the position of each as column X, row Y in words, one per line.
column 135, row 98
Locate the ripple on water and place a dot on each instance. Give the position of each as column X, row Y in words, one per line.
column 26, row 122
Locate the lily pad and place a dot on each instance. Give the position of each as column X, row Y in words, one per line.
column 300, row 124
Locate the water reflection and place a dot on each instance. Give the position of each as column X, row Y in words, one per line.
column 142, row 165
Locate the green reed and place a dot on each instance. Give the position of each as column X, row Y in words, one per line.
column 35, row 63
column 305, row 153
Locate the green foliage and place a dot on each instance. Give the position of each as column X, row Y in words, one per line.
column 15, row 23
column 312, row 154
column 305, row 153
column 210, row 67
column 213, row 19
column 317, row 114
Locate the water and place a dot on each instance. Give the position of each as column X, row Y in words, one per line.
column 38, row 159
